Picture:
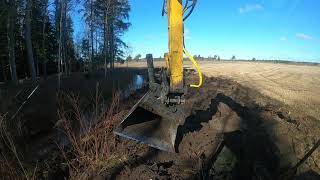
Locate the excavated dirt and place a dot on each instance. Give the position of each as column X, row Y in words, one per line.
column 233, row 132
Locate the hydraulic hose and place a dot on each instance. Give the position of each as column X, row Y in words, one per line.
column 194, row 62
column 194, row 2
column 185, row 8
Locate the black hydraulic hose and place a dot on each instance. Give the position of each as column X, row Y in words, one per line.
column 186, row 5
column 191, row 10
column 185, row 8
column 163, row 7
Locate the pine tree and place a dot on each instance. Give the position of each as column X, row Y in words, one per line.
column 11, row 39
column 109, row 20
column 29, row 41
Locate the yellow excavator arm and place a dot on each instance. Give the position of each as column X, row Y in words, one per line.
column 155, row 118
column 175, row 56
column 174, row 59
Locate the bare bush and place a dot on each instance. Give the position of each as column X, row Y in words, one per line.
column 92, row 143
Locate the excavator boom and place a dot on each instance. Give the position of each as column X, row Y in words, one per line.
column 155, row 118
column 175, row 23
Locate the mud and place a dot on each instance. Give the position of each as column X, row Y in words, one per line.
column 233, row 132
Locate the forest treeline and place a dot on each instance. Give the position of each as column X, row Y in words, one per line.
column 36, row 37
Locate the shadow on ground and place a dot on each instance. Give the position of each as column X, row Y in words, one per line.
column 246, row 133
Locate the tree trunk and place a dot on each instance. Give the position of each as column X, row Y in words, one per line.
column 109, row 44
column 96, row 42
column 4, row 71
column 111, row 38
column 60, row 45
column 105, row 42
column 64, row 42
column 11, row 40
column 69, row 63
column 36, row 64
column 91, row 33
column 44, row 70
column 44, row 60
column 29, row 42
column 112, row 46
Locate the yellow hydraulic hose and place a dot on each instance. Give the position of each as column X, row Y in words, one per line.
column 194, row 62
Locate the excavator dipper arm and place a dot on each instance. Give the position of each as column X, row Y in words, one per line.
column 155, row 118
column 175, row 56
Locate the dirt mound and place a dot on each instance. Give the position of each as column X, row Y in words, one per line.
column 232, row 132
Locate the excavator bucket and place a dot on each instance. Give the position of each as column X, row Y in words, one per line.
column 152, row 122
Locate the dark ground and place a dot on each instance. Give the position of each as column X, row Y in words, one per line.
column 232, row 132
column 35, row 126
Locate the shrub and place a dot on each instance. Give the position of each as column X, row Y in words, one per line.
column 93, row 147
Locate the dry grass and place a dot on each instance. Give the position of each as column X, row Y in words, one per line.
column 11, row 166
column 7, row 167
column 296, row 86
column 93, row 146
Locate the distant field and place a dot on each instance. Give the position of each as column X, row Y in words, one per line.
column 297, row 86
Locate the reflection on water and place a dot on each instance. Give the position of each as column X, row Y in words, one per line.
column 138, row 82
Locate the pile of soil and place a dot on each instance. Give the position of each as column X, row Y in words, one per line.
column 233, row 132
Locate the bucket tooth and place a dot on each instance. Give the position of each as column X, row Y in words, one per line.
column 152, row 123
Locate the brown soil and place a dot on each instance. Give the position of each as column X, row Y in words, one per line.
column 233, row 132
